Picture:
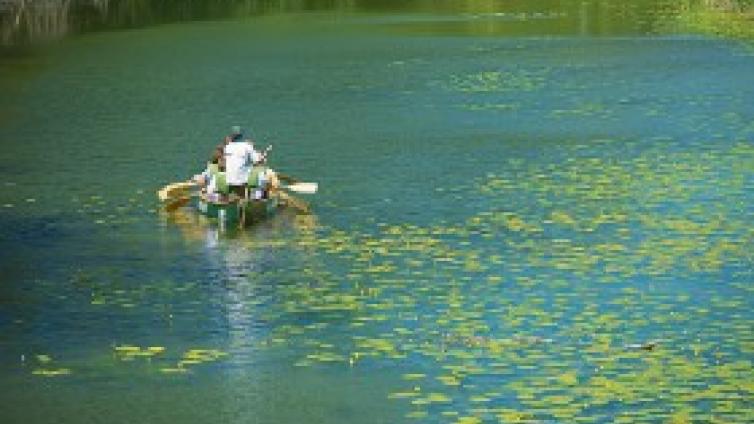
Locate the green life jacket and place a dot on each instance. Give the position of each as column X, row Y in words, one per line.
column 221, row 183
column 256, row 171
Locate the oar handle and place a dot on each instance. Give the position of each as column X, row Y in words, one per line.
column 287, row 178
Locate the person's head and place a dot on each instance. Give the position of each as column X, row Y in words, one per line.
column 216, row 156
column 236, row 132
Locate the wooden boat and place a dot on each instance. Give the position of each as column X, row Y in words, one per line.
column 233, row 210
column 237, row 211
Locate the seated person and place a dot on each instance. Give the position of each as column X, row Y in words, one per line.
column 204, row 178
column 217, row 188
column 262, row 179
column 256, row 183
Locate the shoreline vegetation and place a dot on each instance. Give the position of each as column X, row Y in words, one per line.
column 25, row 22
column 725, row 18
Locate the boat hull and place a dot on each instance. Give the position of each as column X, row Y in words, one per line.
column 233, row 213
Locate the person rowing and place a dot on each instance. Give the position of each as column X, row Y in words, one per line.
column 239, row 155
column 262, row 178
column 217, row 187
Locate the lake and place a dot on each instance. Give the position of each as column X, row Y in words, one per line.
column 526, row 213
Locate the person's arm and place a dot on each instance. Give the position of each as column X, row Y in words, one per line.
column 266, row 152
column 212, row 185
column 202, row 178
column 254, row 155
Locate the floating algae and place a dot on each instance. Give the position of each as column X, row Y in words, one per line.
column 550, row 310
column 588, row 287
column 51, row 372
column 130, row 352
column 47, row 367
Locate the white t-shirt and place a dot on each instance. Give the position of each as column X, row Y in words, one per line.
column 239, row 156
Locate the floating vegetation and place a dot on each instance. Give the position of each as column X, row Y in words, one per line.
column 607, row 281
column 182, row 365
column 200, row 356
column 129, row 352
column 554, row 258
column 51, row 372
column 589, row 109
column 173, row 370
column 474, row 107
column 44, row 359
column 46, row 367
column 497, row 81
column 571, row 307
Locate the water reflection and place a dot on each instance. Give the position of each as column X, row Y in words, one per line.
column 238, row 262
column 24, row 21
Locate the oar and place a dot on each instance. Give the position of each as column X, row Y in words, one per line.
column 285, row 178
column 175, row 190
column 295, row 185
column 294, row 202
column 177, row 203
column 303, row 188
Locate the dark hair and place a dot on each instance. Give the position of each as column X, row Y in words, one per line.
column 216, row 156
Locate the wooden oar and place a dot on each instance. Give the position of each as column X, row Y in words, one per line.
column 285, row 178
column 303, row 188
column 175, row 190
column 177, row 203
column 295, row 185
column 294, row 202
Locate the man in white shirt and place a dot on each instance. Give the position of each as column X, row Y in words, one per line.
column 239, row 157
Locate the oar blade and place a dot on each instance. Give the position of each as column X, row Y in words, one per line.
column 175, row 190
column 176, row 203
column 303, row 188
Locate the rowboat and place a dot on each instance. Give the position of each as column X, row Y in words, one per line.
column 233, row 210
column 237, row 211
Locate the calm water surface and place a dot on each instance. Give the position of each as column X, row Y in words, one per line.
column 536, row 215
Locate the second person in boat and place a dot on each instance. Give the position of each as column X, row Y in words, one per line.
column 262, row 178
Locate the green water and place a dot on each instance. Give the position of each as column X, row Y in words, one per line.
column 526, row 214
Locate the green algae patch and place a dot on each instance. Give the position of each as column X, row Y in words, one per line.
column 46, row 367
column 131, row 352
column 51, row 372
